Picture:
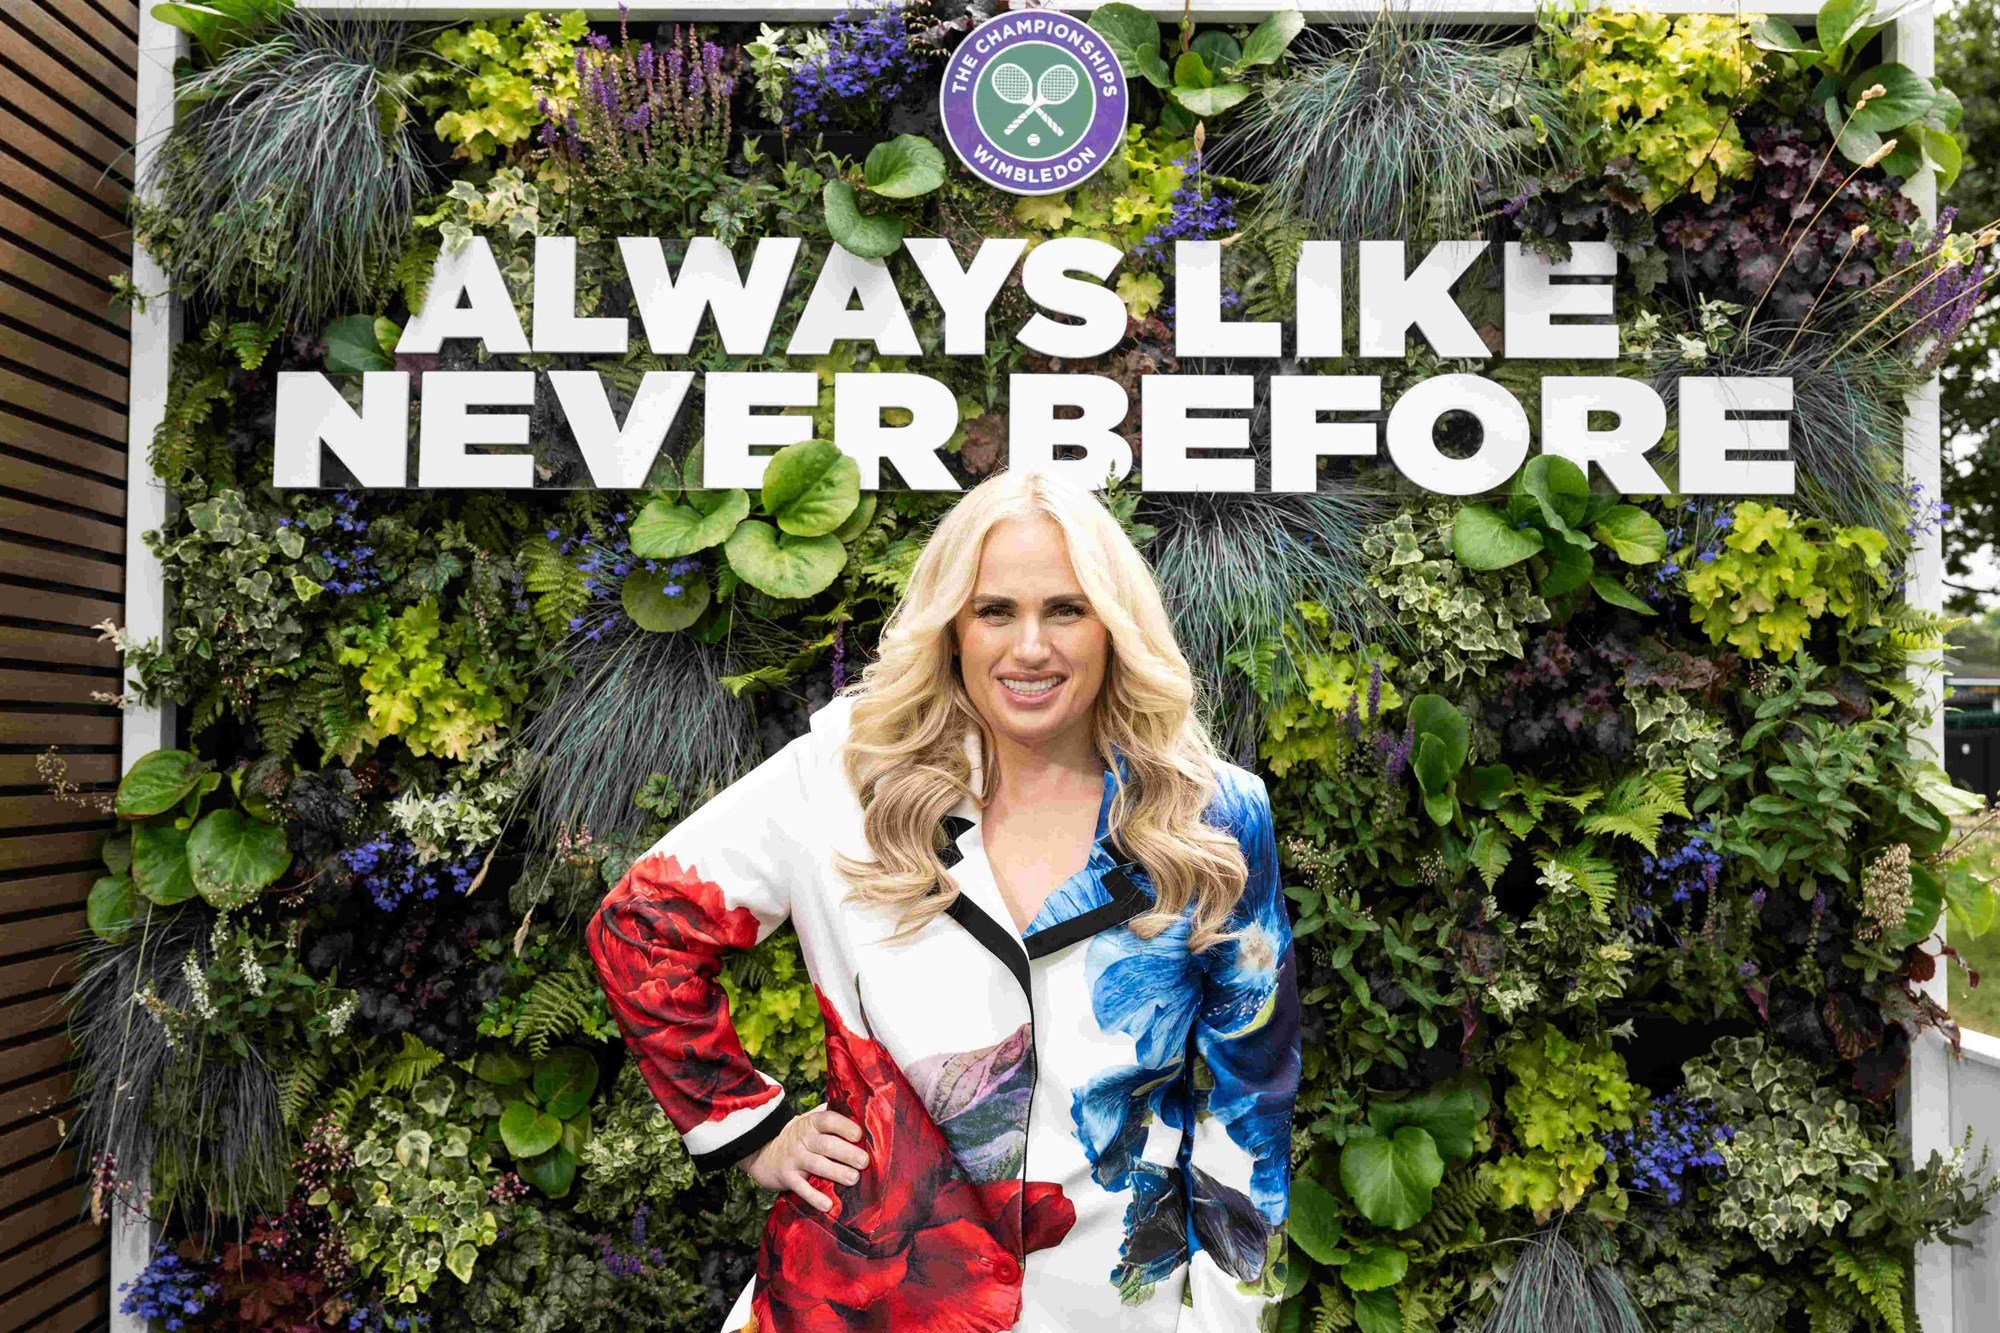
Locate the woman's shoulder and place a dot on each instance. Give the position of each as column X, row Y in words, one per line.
column 1241, row 804
column 830, row 721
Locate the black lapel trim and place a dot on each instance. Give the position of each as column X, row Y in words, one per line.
column 991, row 934
column 996, row 938
column 1127, row 901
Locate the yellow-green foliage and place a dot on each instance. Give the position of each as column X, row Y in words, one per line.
column 772, row 1006
column 1661, row 91
column 1120, row 206
column 426, row 683
column 1308, row 723
column 1564, row 1097
column 490, row 103
column 1776, row 574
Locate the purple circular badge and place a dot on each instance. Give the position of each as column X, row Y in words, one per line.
column 1033, row 101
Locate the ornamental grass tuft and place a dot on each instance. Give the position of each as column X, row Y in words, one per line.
column 1385, row 133
column 290, row 176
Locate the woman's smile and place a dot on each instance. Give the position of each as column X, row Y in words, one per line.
column 1031, row 691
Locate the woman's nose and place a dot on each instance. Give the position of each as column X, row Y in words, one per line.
column 1032, row 644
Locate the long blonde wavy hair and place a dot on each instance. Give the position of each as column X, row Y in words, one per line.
column 905, row 755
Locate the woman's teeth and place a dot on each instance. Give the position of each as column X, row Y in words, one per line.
column 1029, row 689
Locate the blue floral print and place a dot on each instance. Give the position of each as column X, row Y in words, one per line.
column 1236, row 1006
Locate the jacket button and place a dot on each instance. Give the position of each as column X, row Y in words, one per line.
column 1006, row 1269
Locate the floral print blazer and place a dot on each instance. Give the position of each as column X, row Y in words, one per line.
column 1068, row 1128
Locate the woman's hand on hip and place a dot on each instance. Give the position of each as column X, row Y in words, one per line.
column 821, row 1142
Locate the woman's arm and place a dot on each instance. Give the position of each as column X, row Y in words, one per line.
column 1236, row 1164
column 721, row 880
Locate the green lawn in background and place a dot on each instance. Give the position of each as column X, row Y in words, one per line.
column 1978, row 1007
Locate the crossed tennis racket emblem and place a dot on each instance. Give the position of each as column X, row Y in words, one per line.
column 1013, row 86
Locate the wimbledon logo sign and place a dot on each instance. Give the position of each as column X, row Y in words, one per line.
column 1033, row 102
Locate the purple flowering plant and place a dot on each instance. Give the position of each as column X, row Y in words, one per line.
column 1671, row 1145
column 391, row 871
column 871, row 60
column 171, row 1290
column 640, row 107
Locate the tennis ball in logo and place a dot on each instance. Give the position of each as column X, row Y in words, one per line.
column 1035, row 101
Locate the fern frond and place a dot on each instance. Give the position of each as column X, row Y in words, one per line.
column 280, row 719
column 1455, row 1209
column 298, row 1085
column 1582, row 869
column 1336, row 1309
column 558, row 1004
column 556, row 585
column 1872, row 1281
column 1915, row 630
column 1638, row 805
column 409, row 1066
column 341, row 1103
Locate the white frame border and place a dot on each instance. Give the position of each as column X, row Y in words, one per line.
column 1926, row 1105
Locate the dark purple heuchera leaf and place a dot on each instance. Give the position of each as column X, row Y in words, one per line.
column 1566, row 695
column 1771, row 231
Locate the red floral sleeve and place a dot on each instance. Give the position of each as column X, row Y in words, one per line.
column 721, row 880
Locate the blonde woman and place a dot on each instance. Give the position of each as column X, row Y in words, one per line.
column 1032, row 901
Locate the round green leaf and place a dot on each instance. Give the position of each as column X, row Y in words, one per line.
column 1217, row 49
column 1558, row 488
column 810, row 488
column 1906, row 97
column 667, row 531
column 1570, row 565
column 858, row 521
column 1777, row 35
column 1380, row 1311
column 111, row 908
column 855, row 231
column 528, row 1131
column 1212, row 101
column 117, row 853
column 500, row 1066
column 1271, row 37
column 1841, row 22
column 565, row 1080
column 352, row 345
column 1633, row 535
column 781, row 565
column 1448, row 1115
column 1134, row 36
column 1376, row 1268
column 904, row 167
column 1484, row 538
column 157, row 782
column 646, row 600
column 551, row 1172
column 233, row 858
column 160, row 863
column 1313, row 1219
column 1434, row 715
column 1391, row 1179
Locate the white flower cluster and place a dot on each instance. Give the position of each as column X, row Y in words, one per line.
column 197, row 980
column 338, row 1017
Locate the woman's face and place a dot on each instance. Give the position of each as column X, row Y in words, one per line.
column 1032, row 650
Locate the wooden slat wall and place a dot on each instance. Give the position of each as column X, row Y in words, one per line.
column 67, row 93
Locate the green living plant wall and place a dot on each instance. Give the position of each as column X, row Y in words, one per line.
column 1611, row 860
